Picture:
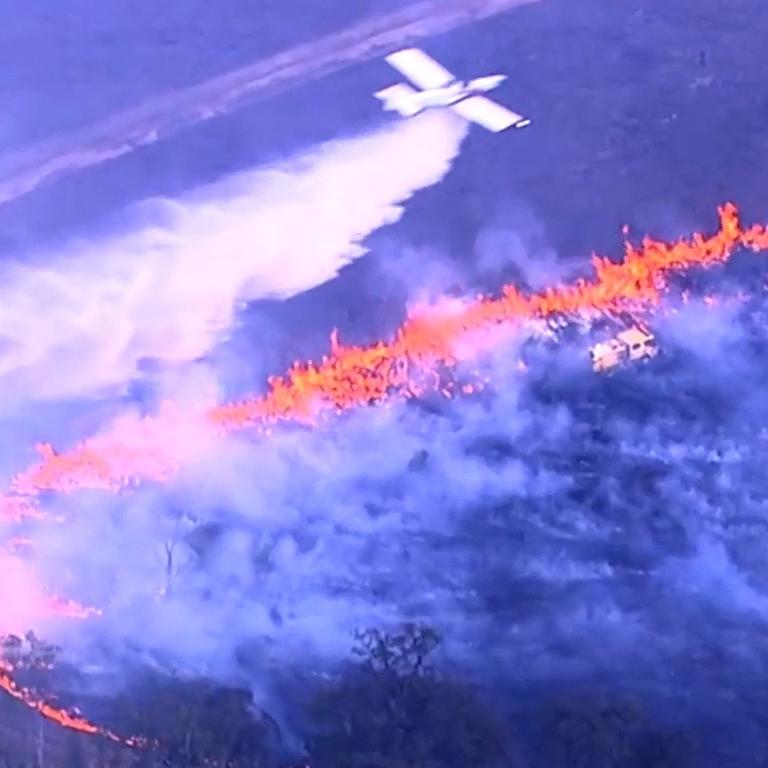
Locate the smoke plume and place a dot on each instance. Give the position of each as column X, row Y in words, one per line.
column 557, row 525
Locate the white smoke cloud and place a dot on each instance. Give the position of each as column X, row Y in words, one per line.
column 170, row 288
column 510, row 247
column 22, row 595
column 307, row 539
column 292, row 541
column 514, row 247
column 709, row 333
column 561, row 521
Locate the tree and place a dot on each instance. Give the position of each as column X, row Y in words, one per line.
column 663, row 748
column 402, row 655
column 393, row 710
column 596, row 729
column 193, row 722
column 174, row 553
column 30, row 658
column 591, row 730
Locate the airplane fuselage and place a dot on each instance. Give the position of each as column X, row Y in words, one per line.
column 433, row 86
column 458, row 90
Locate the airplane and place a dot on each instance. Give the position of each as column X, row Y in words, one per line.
column 440, row 88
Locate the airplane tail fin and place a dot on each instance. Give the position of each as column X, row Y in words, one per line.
column 400, row 98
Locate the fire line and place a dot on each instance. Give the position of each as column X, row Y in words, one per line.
column 153, row 448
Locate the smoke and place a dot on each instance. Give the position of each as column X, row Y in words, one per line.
column 502, row 520
column 708, row 333
column 169, row 288
column 288, row 543
column 162, row 116
column 510, row 248
column 22, row 596
column 513, row 247
column 559, row 526
column 292, row 541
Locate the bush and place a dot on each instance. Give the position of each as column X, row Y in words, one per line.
column 193, row 722
column 603, row 730
column 393, row 710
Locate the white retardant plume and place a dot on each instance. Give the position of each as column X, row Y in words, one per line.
column 121, row 133
column 171, row 286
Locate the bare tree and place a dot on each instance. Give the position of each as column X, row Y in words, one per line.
column 174, row 554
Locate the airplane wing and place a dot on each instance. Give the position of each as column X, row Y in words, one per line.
column 489, row 114
column 420, row 69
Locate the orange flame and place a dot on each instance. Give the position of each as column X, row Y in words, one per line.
column 71, row 609
column 352, row 376
column 68, row 718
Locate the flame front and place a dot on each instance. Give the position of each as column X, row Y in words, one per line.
column 68, row 718
column 153, row 448
column 352, row 376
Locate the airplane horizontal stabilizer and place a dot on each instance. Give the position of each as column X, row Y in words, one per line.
column 400, row 98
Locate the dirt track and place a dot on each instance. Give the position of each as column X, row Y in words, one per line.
column 161, row 116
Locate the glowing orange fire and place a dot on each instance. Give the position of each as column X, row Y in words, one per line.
column 71, row 609
column 351, row 376
column 68, row 718
column 153, row 448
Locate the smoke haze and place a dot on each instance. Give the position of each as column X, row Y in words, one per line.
column 546, row 513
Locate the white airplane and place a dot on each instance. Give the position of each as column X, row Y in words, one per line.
column 439, row 88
